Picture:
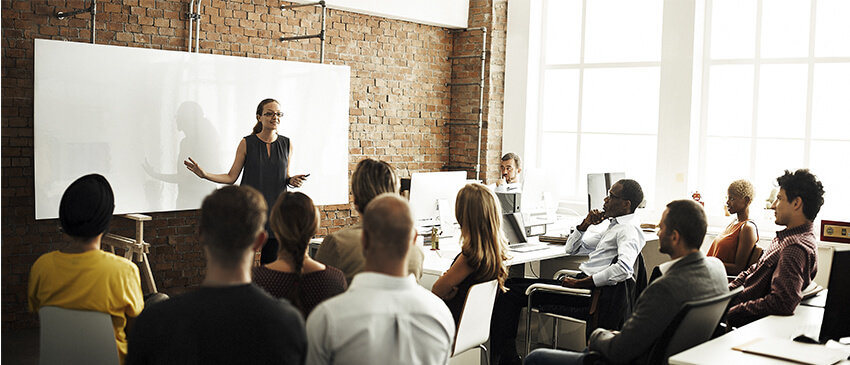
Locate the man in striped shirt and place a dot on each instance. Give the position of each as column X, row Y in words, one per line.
column 774, row 284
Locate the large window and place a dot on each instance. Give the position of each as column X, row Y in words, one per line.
column 771, row 91
column 599, row 81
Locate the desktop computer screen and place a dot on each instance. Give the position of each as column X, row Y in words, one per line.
column 428, row 189
column 836, row 312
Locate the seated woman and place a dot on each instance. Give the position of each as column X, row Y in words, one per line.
column 482, row 252
column 735, row 245
column 294, row 275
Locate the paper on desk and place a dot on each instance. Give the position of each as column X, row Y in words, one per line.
column 787, row 349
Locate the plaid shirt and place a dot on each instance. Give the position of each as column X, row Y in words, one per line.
column 774, row 285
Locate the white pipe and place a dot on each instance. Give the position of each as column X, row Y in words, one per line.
column 191, row 20
column 198, row 29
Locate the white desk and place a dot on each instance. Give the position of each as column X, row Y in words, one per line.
column 806, row 320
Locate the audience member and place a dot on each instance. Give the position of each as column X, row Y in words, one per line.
column 82, row 276
column 689, row 276
column 612, row 255
column 342, row 249
column 735, row 245
column 775, row 284
column 509, row 169
column 294, row 275
column 385, row 316
column 228, row 319
column 482, row 252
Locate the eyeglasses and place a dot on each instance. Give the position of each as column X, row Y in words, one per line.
column 611, row 195
column 273, row 114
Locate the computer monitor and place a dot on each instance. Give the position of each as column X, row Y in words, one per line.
column 510, row 202
column 427, row 189
column 836, row 312
column 598, row 186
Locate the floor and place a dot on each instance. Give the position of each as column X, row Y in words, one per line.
column 20, row 346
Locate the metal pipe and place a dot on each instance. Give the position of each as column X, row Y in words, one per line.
column 322, row 45
column 299, row 37
column 191, row 21
column 462, row 83
column 293, row 6
column 198, row 28
column 93, row 17
column 481, row 99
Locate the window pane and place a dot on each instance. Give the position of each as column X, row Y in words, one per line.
column 733, row 29
column 623, row 30
column 785, row 28
column 560, row 100
column 726, row 160
column 832, row 30
column 563, row 31
column 774, row 156
column 730, row 100
column 634, row 155
column 782, row 101
column 831, row 101
column 621, row 100
column 822, row 162
column 558, row 160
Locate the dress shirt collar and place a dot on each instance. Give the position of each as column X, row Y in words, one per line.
column 626, row 218
column 374, row 280
column 664, row 267
column 787, row 232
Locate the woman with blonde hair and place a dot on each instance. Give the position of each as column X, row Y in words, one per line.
column 736, row 244
column 482, row 255
column 294, row 275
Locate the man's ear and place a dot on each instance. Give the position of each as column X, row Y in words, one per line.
column 797, row 203
column 675, row 238
column 364, row 241
column 259, row 241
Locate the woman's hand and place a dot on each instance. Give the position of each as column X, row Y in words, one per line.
column 193, row 166
column 297, row 180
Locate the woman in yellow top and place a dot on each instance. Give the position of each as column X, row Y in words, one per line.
column 735, row 245
column 482, row 252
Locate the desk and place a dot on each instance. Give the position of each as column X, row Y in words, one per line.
column 806, row 320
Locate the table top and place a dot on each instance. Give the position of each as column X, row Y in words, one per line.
column 806, row 320
column 437, row 262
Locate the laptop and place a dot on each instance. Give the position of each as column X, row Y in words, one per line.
column 514, row 229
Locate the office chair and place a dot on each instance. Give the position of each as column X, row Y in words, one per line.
column 609, row 306
column 70, row 336
column 473, row 328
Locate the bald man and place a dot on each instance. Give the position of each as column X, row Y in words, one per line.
column 385, row 316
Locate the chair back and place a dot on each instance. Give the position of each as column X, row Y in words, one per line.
column 71, row 336
column 693, row 325
column 755, row 255
column 474, row 324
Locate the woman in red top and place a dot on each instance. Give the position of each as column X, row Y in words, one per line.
column 735, row 245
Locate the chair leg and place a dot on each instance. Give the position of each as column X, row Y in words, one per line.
column 486, row 355
column 554, row 332
column 528, row 327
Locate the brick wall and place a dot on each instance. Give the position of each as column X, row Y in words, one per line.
column 400, row 105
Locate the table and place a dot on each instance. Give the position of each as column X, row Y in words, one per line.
column 806, row 320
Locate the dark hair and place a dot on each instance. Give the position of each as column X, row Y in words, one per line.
column 259, row 126
column 231, row 218
column 805, row 185
column 293, row 221
column 372, row 178
column 688, row 218
column 513, row 156
column 632, row 192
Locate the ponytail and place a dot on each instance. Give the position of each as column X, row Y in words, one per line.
column 293, row 221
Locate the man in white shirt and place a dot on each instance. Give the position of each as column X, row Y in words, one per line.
column 509, row 170
column 385, row 317
column 612, row 255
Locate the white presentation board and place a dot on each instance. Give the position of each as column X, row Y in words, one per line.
column 134, row 114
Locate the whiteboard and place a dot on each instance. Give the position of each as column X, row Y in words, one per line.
column 134, row 114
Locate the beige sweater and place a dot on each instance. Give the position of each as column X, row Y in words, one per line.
column 343, row 250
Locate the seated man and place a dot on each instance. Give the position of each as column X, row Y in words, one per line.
column 689, row 276
column 622, row 240
column 509, row 170
column 227, row 320
column 385, row 316
column 81, row 275
column 342, row 249
column 775, row 284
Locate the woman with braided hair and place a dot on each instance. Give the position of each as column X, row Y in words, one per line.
column 294, row 275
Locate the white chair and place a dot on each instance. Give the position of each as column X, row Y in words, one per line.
column 71, row 336
column 474, row 328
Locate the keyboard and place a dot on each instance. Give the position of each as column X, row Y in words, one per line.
column 527, row 247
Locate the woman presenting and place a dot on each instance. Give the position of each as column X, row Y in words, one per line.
column 264, row 155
